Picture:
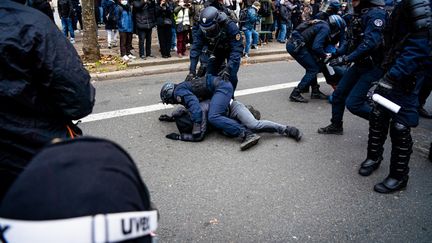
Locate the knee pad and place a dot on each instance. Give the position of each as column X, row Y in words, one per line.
column 400, row 135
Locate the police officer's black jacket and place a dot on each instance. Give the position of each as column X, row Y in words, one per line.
column 43, row 84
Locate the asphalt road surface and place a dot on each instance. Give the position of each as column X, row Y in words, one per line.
column 279, row 190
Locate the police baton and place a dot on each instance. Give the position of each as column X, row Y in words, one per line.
column 390, row 105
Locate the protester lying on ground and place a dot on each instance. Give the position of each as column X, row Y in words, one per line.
column 80, row 190
column 246, row 115
column 219, row 91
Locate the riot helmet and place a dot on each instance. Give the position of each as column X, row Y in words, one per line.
column 334, row 6
column 210, row 21
column 337, row 23
column 167, row 93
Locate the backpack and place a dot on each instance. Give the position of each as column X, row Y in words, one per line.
column 243, row 18
column 265, row 10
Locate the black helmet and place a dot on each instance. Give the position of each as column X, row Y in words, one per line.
column 337, row 23
column 209, row 21
column 167, row 93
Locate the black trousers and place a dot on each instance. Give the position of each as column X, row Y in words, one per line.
column 125, row 43
column 164, row 36
column 144, row 35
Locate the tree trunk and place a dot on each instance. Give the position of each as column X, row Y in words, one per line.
column 90, row 40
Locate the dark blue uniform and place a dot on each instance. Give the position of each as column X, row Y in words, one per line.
column 366, row 55
column 407, row 54
column 227, row 47
column 307, row 47
column 189, row 94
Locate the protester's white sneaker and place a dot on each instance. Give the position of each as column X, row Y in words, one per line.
column 131, row 56
column 72, row 40
column 125, row 58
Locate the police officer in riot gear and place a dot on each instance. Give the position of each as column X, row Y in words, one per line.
column 407, row 53
column 365, row 51
column 306, row 46
column 220, row 38
column 219, row 91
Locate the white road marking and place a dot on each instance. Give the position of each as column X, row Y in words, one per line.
column 160, row 106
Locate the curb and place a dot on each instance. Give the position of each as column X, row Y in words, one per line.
column 181, row 65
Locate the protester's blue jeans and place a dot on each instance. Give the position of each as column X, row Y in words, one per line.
column 282, row 33
column 240, row 112
column 173, row 37
column 67, row 27
column 251, row 39
column 306, row 60
column 352, row 90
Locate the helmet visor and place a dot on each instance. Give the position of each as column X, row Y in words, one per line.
column 211, row 31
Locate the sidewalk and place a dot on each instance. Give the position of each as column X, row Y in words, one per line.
column 111, row 66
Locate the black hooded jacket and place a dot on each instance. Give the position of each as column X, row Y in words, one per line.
column 43, row 83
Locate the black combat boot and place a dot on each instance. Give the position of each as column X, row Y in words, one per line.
column 317, row 94
column 424, row 113
column 293, row 132
column 249, row 140
column 305, row 90
column 296, row 96
column 378, row 129
column 400, row 156
column 333, row 128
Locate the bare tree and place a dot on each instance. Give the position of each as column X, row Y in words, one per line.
column 90, row 41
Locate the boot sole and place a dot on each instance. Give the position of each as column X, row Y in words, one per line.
column 250, row 144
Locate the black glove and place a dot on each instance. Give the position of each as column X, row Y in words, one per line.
column 196, row 130
column 190, row 76
column 201, row 71
column 173, row 136
column 166, row 118
column 384, row 86
column 224, row 74
column 342, row 60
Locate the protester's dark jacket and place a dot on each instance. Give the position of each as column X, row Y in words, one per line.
column 164, row 14
column 43, row 84
column 285, row 14
column 204, row 125
column 44, row 7
column 144, row 14
column 65, row 8
column 111, row 14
